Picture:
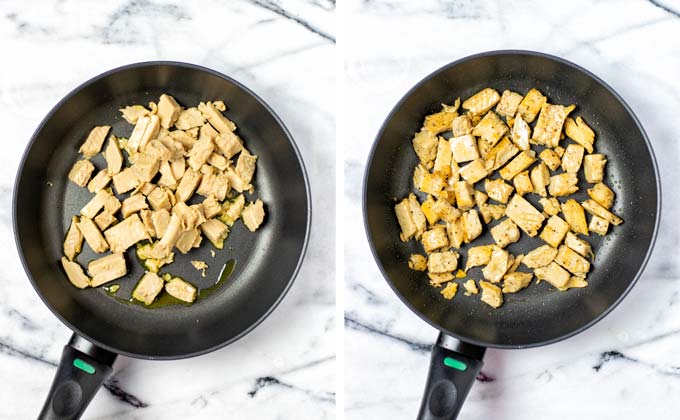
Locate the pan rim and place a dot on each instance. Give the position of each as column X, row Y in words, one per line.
column 143, row 64
column 587, row 73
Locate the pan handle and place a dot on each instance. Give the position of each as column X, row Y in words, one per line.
column 82, row 370
column 453, row 369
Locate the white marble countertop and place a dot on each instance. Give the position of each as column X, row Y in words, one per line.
column 625, row 367
column 284, row 51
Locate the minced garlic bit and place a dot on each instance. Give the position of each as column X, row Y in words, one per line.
column 200, row 266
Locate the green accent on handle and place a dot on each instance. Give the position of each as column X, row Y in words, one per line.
column 84, row 366
column 455, row 363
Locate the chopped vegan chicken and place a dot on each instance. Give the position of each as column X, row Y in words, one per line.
column 253, row 215
column 99, row 182
column 94, row 141
column 550, row 158
column 572, row 261
column 442, row 262
column 593, row 167
column 75, row 273
column 474, row 171
column 104, row 220
column 548, row 128
column 563, row 184
column 598, row 225
column 92, row 235
column 602, row 195
column 551, row 206
column 491, row 128
column 478, row 255
column 215, row 231
column 81, row 172
column 181, row 290
column 592, row 207
column 461, row 125
column 499, row 264
column 73, row 242
column 521, row 162
column 572, row 158
column 470, row 288
column 575, row 216
column 516, row 281
column 435, row 238
column 442, row 120
column 215, row 117
column 200, row 266
column 133, row 204
column 540, row 178
column 417, row 262
column 540, row 257
column 520, row 134
column 125, row 180
column 449, row 291
column 498, row 190
column 505, row 233
column 531, row 105
column 464, row 148
column 482, row 101
column 579, row 245
column 168, row 110
column 471, row 225
column 553, row 274
column 579, row 131
column 95, row 204
column 126, row 233
column 522, row 183
column 554, row 231
column 509, row 103
column 491, row 294
column 107, row 268
column 525, row 215
column 148, row 287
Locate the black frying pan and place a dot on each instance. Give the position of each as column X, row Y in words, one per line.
column 540, row 314
column 266, row 261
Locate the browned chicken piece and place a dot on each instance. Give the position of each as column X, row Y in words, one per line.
column 178, row 167
column 574, row 282
column 144, row 189
column 405, row 219
column 442, row 162
column 417, row 262
column 92, row 235
column 100, row 181
column 491, row 212
column 218, row 161
column 480, row 198
column 500, row 154
column 245, row 166
column 442, row 120
column 94, row 141
column 505, row 233
column 509, row 103
column 563, row 184
column 126, row 233
column 579, row 245
column 455, row 233
column 525, row 215
column 592, row 207
column 520, row 134
column 168, row 110
column 75, row 273
column 491, row 128
column 579, row 131
column 216, row 232
column 540, row 178
column 540, row 257
column 434, row 238
column 472, row 225
column 499, row 264
column 442, row 262
column 551, row 206
column 125, row 180
column 229, row 144
column 521, row 162
column 575, row 216
column 554, row 231
column 491, row 294
column 522, row 183
column 572, row 158
column 464, row 148
column 593, row 167
column 178, row 141
column 553, row 274
column 548, row 128
column 106, row 269
column 470, row 288
column 437, row 279
column 132, row 113
column 160, row 198
column 482, row 101
column 95, row 204
column 148, row 287
column 199, row 154
column 445, row 211
column 550, row 158
column 474, row 171
column 104, row 220
column 133, row 204
column 167, row 178
column 478, row 255
column 449, row 291
column 214, row 184
column 602, row 195
column 145, row 215
column 461, row 125
column 425, row 146
column 160, row 220
column 73, row 242
column 598, row 225
column 189, row 118
column 81, row 172
column 181, row 290
column 559, row 150
column 464, row 195
column 215, row 117
column 113, row 156
column 483, row 148
column 188, row 185
column 572, row 261
column 253, row 215
column 498, row 190
column 516, row 281
column 150, row 132
column 112, row 204
column 531, row 105
column 188, row 239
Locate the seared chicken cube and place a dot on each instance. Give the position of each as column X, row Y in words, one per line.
column 516, row 281
column 559, row 150
column 253, row 215
column 491, row 128
column 491, row 294
column 145, row 215
column 150, row 133
column 188, row 239
column 200, row 152
column 104, row 220
column 499, row 264
column 431, row 183
column 188, row 185
column 483, row 148
column 554, row 231
column 229, row 144
column 579, row 245
column 548, row 128
column 113, row 156
column 418, row 215
column 168, row 110
column 522, row 183
column 125, row 180
column 94, row 141
column 498, row 190
column 214, row 184
column 540, row 257
column 112, row 204
column 442, row 163
column 470, row 288
column 540, row 178
column 531, row 105
column 553, row 274
column 575, row 216
column 442, row 120
column 215, row 231
column 579, row 131
column 437, row 279
column 435, row 238
column 464, row 195
column 75, row 273
column 92, row 235
column 474, row 171
column 491, row 212
column 417, row 262
column 180, row 289
column 478, row 255
column 593, row 167
column 520, row 134
column 167, row 178
column 482, row 101
column 509, row 103
column 189, row 118
column 133, row 204
column 100, row 181
column 160, row 198
column 215, row 117
column 405, row 219
column 425, row 146
column 81, row 172
column 73, row 242
column 574, row 281
column 149, row 286
column 602, row 195
column 442, row 262
column 218, row 161
column 563, row 184
column 598, row 225
column 427, row 207
column 160, row 220
column 551, row 206
column 525, row 215
column 445, row 211
column 572, row 261
column 178, row 168
column 464, row 148
column 192, row 216
column 132, row 113
column 480, row 198
column 500, row 154
column 211, row 207
column 455, row 233
column 449, row 291
column 472, row 225
column 179, row 141
column 521, row 162
column 126, row 233
column 550, row 158
column 505, row 233
column 106, row 269
column 95, row 204
column 461, row 125
column 572, row 158
column 595, row 209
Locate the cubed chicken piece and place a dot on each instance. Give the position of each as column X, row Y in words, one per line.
column 472, row 225
column 491, row 212
column 126, row 233
column 113, row 156
column 126, row 180
column 478, row 255
column 480, row 198
column 148, row 287
column 579, row 245
column 498, row 190
column 572, row 158
column 521, row 162
column 559, row 150
column 75, row 273
column 216, row 232
column 160, row 198
column 192, row 216
column 161, row 151
column 444, row 210
column 178, row 167
column 449, row 291
column 94, row 141
column 133, row 204
column 509, row 103
column 525, row 215
column 442, row 120
column 500, row 154
column 602, row 195
column 169, row 238
column 104, row 220
column 178, row 141
column 491, row 128
column 229, row 144
column 200, row 152
column 218, row 161
column 73, row 242
column 188, row 185
column 598, row 225
column 579, row 131
column 482, row 101
column 434, row 238
column 442, row 262
column 540, row 178
column 442, row 163
column 135, row 139
column 253, row 215
column 100, row 181
column 112, row 204
column 95, row 204
column 520, row 134
column 189, row 118
column 470, row 288
column 464, row 195
column 425, row 146
column 593, row 167
column 160, row 220
column 405, row 219
column 188, row 239
column 550, row 158
column 150, row 132
column 81, row 172
column 245, row 166
column 238, row 184
column 516, row 281
column 491, row 294
column 551, row 206
column 595, row 209
column 572, row 261
column 575, row 216
column 574, row 282
column 455, row 233
column 215, row 117
column 132, row 113
column 168, row 110
column 548, row 128
column 145, row 215
column 180, row 289
column 474, row 171
column 505, row 233
column 531, row 105
column 464, row 148
column 554, row 231
column 436, row 280
column 417, row 262
column 522, row 183
column 92, row 235
column 553, row 274
column 461, row 125
column 106, row 269
column 483, row 148
column 214, row 184
column 540, row 257
column 211, row 207
column 498, row 265
column 167, row 178
column 563, row 184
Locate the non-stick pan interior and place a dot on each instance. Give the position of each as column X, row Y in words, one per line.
column 538, row 314
column 265, row 261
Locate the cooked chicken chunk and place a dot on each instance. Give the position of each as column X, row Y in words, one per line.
column 200, row 152
column 437, row 279
column 160, row 220
column 92, row 235
column 574, row 282
column 215, row 117
column 551, row 206
column 442, row 163
column 464, row 195
column 94, row 141
column 104, row 220
column 181, row 290
column 435, row 238
column 572, row 158
column 472, row 225
column 189, row 118
column 95, row 204
column 540, row 257
column 550, row 158
column 73, row 242
column 480, row 198
column 595, row 209
column 598, row 225
column 461, row 125
column 524, row 215
column 81, row 172
column 145, row 130
column 501, row 154
column 474, row 171
column 579, row 245
column 113, row 156
column 405, row 219
column 100, row 181
column 126, row 233
column 491, row 128
column 521, row 162
column 602, row 195
column 579, row 131
column 417, row 262
column 554, row 231
column 572, row 261
column 442, row 262
column 491, row 294
column 253, row 215
column 168, row 110
column 126, row 180
column 106, row 269
column 499, row 264
column 450, row 291
column 188, row 239
column 455, row 233
column 540, row 178
column 132, row 113
column 464, row 148
column 470, row 287
column 520, row 134
column 215, row 231
column 505, row 233
column 548, row 128
column 445, row 211
column 160, row 198
column 188, row 184
column 482, row 101
column 516, row 281
column 214, row 184
column 522, row 183
column 593, row 167
column 553, row 274
column 133, row 204
column 167, row 178
column 575, row 216
column 498, row 190
column 478, row 255
column 145, row 215
column 509, row 103
column 425, row 146
column 491, row 212
column 563, row 184
column 192, row 216
column 75, row 273
column 442, row 120
column 148, row 287
column 531, row 105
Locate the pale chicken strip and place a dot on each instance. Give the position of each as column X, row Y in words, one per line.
column 520, row 134
column 482, row 101
column 521, row 162
column 188, row 184
column 113, row 156
column 592, row 207
column 491, row 294
column 580, row 132
column 553, row 274
column 549, row 125
column 75, row 273
column 200, row 152
column 92, row 235
column 516, row 281
column 579, row 245
column 524, row 215
column 95, row 204
column 253, row 215
column 94, row 141
column 575, row 216
column 81, row 172
column 501, row 154
column 540, row 179
column 540, row 257
column 215, row 117
column 148, row 287
column 73, row 242
column 106, row 269
column 168, row 110
column 181, row 290
column 554, row 231
column 572, row 261
column 126, row 233
column 99, row 182
column 133, row 204
column 602, row 195
column 499, row 264
column 425, row 146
